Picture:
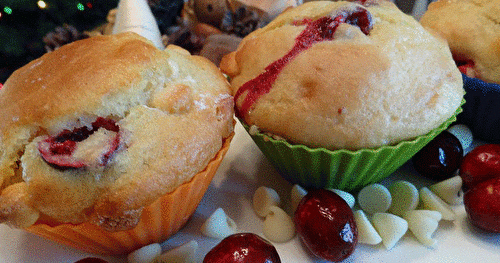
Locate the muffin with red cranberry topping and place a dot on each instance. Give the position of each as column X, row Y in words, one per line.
column 108, row 143
column 471, row 28
column 350, row 89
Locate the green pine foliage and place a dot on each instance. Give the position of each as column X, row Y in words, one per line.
column 24, row 23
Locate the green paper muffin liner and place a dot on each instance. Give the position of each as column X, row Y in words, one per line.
column 341, row 169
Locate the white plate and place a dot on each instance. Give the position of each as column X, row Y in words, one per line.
column 245, row 169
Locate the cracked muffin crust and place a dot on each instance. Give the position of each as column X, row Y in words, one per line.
column 344, row 75
column 472, row 29
column 100, row 128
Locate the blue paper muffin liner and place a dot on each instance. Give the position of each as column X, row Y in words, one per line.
column 481, row 112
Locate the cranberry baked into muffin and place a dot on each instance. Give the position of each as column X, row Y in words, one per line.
column 343, row 76
column 96, row 131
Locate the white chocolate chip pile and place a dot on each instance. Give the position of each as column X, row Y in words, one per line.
column 384, row 217
column 145, row 254
column 401, row 207
column 383, row 214
column 277, row 226
column 374, row 198
column 263, row 199
column 185, row 253
column 390, row 227
column 404, row 197
column 218, row 225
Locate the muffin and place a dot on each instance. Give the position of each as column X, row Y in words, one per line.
column 97, row 131
column 471, row 29
column 359, row 80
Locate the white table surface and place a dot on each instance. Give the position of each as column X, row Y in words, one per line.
column 245, row 169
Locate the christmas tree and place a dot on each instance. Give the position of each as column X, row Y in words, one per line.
column 24, row 23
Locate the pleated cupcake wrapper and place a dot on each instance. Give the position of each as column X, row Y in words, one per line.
column 341, row 169
column 481, row 113
column 163, row 218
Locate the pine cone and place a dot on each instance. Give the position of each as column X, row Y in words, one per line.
column 62, row 36
column 243, row 21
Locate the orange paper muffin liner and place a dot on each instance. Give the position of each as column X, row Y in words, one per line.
column 160, row 220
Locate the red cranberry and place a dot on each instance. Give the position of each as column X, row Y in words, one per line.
column 480, row 164
column 58, row 150
column 440, row 158
column 243, row 248
column 482, row 204
column 325, row 223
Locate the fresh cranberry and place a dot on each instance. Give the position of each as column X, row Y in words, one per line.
column 480, row 164
column 243, row 248
column 440, row 158
column 325, row 223
column 482, row 204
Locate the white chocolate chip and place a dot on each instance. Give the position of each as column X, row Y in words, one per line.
column 185, row 253
column 433, row 202
column 374, row 198
column 367, row 234
column 263, row 199
column 144, row 254
column 297, row 194
column 463, row 134
column 450, row 190
column 278, row 226
column 423, row 223
column 404, row 197
column 218, row 225
column 390, row 227
column 349, row 198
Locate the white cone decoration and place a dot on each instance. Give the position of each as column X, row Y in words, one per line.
column 278, row 226
column 183, row 254
column 450, row 190
column 263, row 199
column 404, row 197
column 433, row 202
column 374, row 198
column 136, row 16
column 218, row 225
column 297, row 194
column 349, row 198
column 366, row 232
column 390, row 227
column 145, row 254
column 423, row 223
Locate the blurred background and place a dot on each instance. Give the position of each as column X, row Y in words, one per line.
column 30, row 28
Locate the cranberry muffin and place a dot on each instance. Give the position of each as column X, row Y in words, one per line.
column 97, row 130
